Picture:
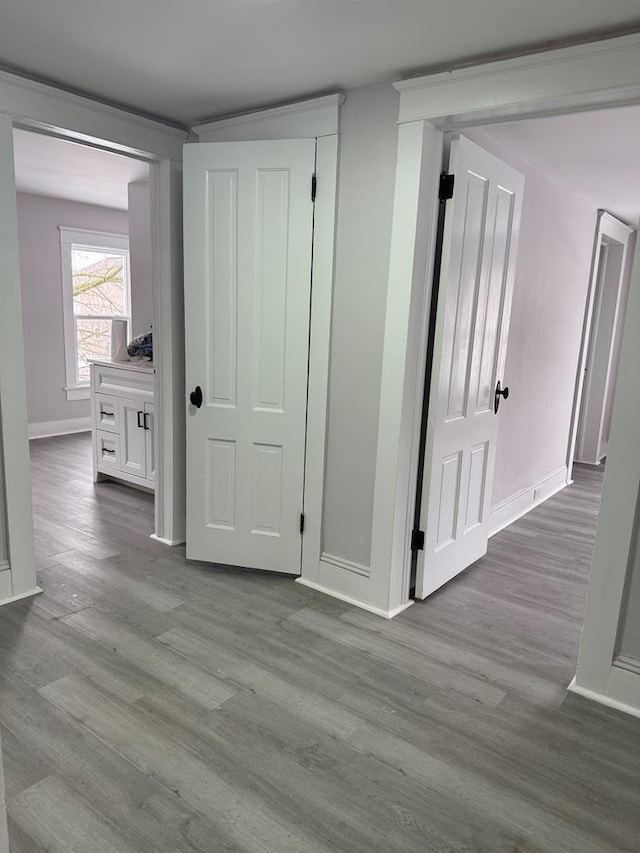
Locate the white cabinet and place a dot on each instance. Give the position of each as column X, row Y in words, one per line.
column 123, row 422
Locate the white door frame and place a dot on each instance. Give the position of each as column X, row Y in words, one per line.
column 592, row 76
column 317, row 118
column 45, row 109
column 608, row 230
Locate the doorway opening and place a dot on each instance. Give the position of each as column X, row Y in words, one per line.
column 86, row 267
column 571, row 187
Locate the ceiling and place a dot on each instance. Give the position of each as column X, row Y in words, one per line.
column 592, row 154
column 61, row 169
column 201, row 58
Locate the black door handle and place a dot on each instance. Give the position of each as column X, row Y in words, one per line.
column 500, row 392
column 140, row 415
column 145, row 421
column 196, row 397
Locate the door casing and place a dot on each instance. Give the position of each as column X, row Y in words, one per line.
column 44, row 109
column 611, row 235
column 598, row 75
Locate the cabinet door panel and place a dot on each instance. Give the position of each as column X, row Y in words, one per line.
column 150, row 449
column 132, row 437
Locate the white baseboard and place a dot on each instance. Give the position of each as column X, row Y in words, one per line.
column 346, row 565
column 35, row 591
column 170, row 542
column 519, row 504
column 68, row 426
column 386, row 614
column 623, row 690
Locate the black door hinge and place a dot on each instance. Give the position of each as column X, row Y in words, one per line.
column 314, row 187
column 301, row 523
column 417, row 540
column 446, row 186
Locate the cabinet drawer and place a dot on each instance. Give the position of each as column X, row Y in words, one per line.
column 108, row 451
column 120, row 382
column 106, row 413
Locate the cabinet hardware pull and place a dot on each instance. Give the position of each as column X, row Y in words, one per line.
column 140, row 415
column 146, row 422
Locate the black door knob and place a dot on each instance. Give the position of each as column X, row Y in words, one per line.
column 500, row 392
column 196, row 397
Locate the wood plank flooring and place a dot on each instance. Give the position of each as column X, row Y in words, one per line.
column 149, row 704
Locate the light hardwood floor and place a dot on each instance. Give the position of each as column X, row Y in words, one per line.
column 148, row 704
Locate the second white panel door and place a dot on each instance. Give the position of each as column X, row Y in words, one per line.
column 248, row 218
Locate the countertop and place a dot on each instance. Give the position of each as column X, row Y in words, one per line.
column 138, row 366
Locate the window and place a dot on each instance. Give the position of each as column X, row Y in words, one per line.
column 96, row 290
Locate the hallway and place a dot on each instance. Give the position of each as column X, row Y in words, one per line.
column 150, row 705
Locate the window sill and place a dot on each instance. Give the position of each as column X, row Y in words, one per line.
column 77, row 392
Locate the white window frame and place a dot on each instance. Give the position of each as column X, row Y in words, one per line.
column 71, row 238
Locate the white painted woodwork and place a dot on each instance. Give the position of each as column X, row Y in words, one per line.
column 599, row 674
column 4, row 833
column 149, row 445
column 248, row 241
column 36, row 106
column 479, row 253
column 132, row 438
column 40, row 106
column 609, row 277
column 318, row 118
column 165, row 187
column 13, row 404
column 309, row 119
column 562, row 80
column 123, row 422
column 546, row 83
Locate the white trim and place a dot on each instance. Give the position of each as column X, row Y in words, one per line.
column 68, row 426
column 301, row 119
column 386, row 614
column 346, row 565
column 608, row 229
column 601, row 74
column 36, row 590
column 94, row 239
column 587, row 76
column 510, row 509
column 13, row 396
column 319, row 346
column 623, row 692
column 165, row 182
column 77, row 392
column 55, row 111
column 170, row 542
column 615, row 545
column 419, row 162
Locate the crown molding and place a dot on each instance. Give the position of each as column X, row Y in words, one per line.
column 42, row 107
column 595, row 75
column 308, row 118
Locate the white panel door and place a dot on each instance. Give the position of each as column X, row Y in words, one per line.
column 475, row 287
column 132, row 437
column 248, row 225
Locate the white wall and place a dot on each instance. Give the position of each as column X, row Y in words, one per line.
column 366, row 185
column 141, row 258
column 41, row 288
column 552, row 280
